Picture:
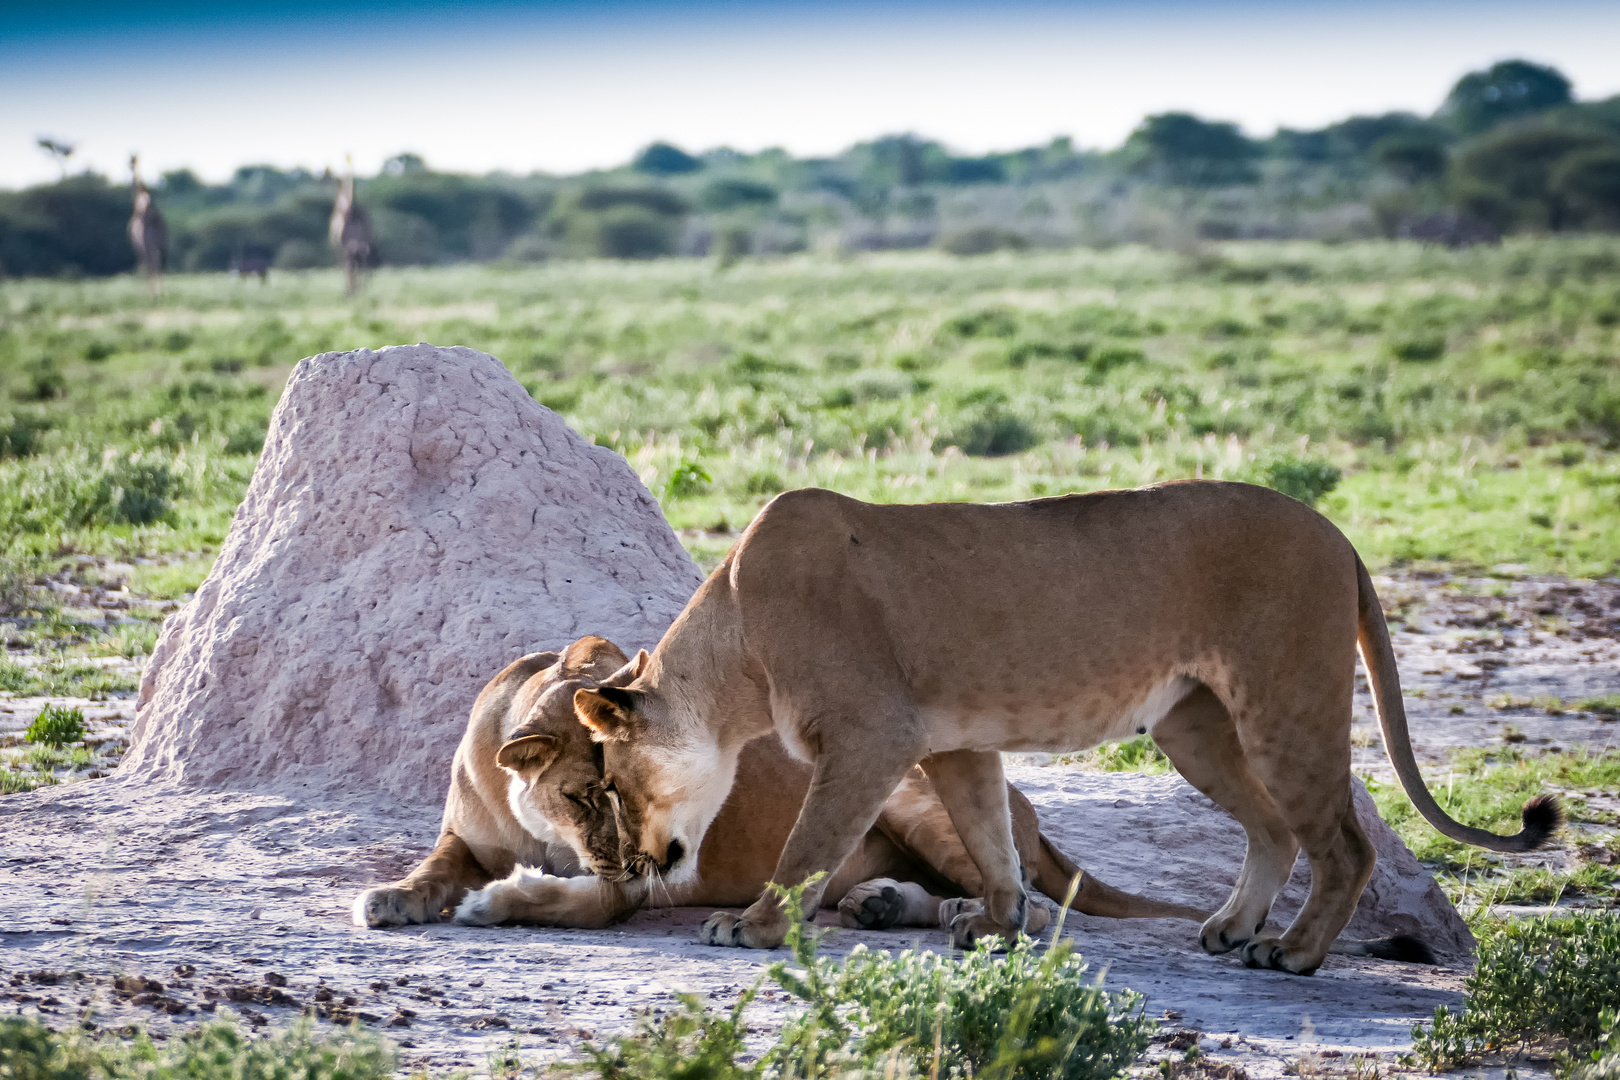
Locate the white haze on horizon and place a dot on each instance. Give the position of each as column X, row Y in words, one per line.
column 479, row 99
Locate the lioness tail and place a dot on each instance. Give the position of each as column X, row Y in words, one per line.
column 1054, row 871
column 1542, row 815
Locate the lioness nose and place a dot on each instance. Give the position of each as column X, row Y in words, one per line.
column 673, row 855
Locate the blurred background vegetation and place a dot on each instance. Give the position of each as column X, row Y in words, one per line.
column 1442, row 406
column 1509, row 150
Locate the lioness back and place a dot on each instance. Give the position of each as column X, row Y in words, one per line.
column 1061, row 586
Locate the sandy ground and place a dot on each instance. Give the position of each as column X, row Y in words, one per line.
column 125, row 905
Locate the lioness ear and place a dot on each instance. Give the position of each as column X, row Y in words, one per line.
column 608, row 711
column 630, row 672
column 529, row 753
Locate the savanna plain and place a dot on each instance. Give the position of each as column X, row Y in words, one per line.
column 1456, row 413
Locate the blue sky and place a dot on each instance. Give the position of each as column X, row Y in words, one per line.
column 566, row 86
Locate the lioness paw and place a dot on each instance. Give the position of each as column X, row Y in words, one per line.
column 1272, row 952
column 389, row 906
column 958, row 906
column 481, row 907
column 873, row 905
column 968, row 930
column 738, row 931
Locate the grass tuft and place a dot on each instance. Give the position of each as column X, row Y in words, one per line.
column 216, row 1051
column 56, row 726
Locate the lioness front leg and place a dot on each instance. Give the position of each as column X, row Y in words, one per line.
column 847, row 791
column 973, row 788
column 537, row 898
column 436, row 885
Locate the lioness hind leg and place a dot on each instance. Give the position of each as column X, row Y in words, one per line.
column 437, row 884
column 1341, row 859
column 1201, row 741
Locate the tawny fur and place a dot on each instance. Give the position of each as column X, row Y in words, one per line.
column 529, row 832
column 1224, row 618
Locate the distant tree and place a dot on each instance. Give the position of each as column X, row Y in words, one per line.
column 471, row 217
column 1415, row 157
column 1589, row 181
column 980, row 170
column 264, row 184
column 652, row 199
column 400, row 164
column 735, row 193
column 1514, row 166
column 181, row 182
column 1353, row 139
column 1182, row 149
column 1483, row 99
column 896, row 160
column 75, row 226
column 664, row 159
column 60, row 151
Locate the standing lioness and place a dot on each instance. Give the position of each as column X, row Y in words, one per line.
column 1224, row 618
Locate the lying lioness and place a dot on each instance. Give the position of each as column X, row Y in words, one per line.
column 1224, row 618
column 527, row 812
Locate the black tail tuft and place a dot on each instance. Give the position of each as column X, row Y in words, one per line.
column 1403, row 948
column 1543, row 816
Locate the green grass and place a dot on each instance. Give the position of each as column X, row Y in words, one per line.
column 171, row 581
column 129, row 640
column 1487, row 789
column 1140, row 754
column 62, row 676
column 130, row 425
column 1606, row 705
column 1544, row 986
column 216, row 1051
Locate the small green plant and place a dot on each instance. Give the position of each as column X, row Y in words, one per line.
column 1305, row 479
column 1608, row 705
column 1537, row 982
column 689, row 478
column 764, row 482
column 1139, row 754
column 1026, row 1015
column 1417, row 346
column 56, row 725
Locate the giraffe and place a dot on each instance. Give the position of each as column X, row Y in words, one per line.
column 350, row 231
column 147, row 232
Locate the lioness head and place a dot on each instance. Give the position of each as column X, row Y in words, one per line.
column 556, row 784
column 667, row 781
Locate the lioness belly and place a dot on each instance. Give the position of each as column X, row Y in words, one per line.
column 1079, row 723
